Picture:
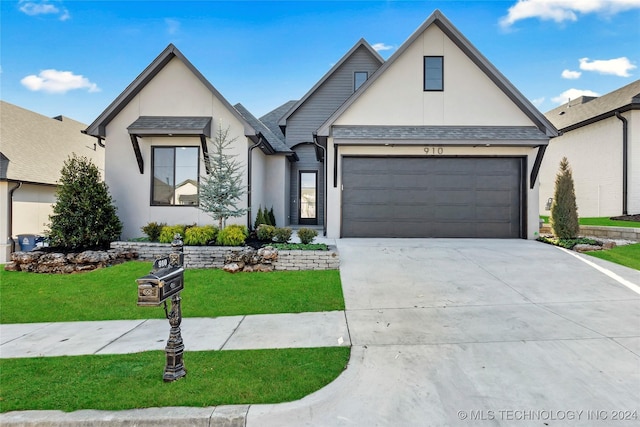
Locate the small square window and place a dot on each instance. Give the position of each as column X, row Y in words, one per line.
column 175, row 176
column 433, row 73
column 359, row 77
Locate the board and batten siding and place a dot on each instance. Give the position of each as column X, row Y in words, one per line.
column 307, row 162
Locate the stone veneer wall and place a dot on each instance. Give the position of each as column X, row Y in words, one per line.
column 214, row 256
column 623, row 233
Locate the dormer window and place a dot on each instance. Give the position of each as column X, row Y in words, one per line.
column 359, row 77
column 433, row 73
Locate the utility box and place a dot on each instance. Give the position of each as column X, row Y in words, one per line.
column 156, row 287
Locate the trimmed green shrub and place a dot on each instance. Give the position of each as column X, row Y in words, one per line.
column 259, row 218
column 84, row 215
column 306, row 235
column 168, row 231
column 153, row 230
column 282, row 234
column 232, row 235
column 200, row 236
column 265, row 232
column 272, row 217
column 564, row 210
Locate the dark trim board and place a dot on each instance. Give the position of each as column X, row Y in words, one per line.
column 440, row 196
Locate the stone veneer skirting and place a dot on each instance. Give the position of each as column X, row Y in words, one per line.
column 623, row 233
column 214, row 256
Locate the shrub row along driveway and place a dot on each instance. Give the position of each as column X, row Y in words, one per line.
column 466, row 332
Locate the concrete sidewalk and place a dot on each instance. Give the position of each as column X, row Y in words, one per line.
column 266, row 331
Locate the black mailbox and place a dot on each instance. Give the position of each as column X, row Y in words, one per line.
column 159, row 285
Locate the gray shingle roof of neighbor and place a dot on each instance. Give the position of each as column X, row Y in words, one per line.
column 274, row 141
column 586, row 108
column 98, row 127
column 34, row 147
column 164, row 125
column 442, row 133
column 438, row 19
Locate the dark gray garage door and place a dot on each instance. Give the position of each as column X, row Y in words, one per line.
column 432, row 197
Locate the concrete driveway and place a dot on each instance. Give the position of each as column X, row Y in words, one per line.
column 479, row 332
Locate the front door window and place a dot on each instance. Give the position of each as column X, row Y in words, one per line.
column 308, row 197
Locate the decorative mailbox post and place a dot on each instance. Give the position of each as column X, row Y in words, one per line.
column 166, row 280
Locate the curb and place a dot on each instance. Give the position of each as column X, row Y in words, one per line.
column 215, row 416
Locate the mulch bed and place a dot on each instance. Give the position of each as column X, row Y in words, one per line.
column 626, row 218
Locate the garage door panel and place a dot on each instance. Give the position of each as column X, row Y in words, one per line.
column 431, row 197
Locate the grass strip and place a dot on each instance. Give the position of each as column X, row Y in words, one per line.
column 111, row 294
column 117, row 382
column 628, row 255
column 602, row 222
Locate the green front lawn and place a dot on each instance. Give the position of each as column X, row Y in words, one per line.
column 628, row 255
column 116, row 382
column 111, row 294
column 602, row 222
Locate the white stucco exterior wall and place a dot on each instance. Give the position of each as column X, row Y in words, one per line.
column 634, row 162
column 175, row 91
column 594, row 153
column 469, row 98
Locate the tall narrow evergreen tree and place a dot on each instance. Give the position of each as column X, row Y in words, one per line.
column 222, row 189
column 564, row 210
column 84, row 215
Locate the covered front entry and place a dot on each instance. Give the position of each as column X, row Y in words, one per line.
column 478, row 197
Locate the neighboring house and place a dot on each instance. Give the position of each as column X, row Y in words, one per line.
column 435, row 142
column 33, row 149
column 600, row 137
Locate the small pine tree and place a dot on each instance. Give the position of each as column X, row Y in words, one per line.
column 259, row 217
column 564, row 211
column 272, row 217
column 84, row 215
column 221, row 191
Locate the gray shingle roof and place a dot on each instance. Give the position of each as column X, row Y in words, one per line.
column 163, row 125
column 441, row 133
column 274, row 140
column 35, row 146
column 272, row 118
column 577, row 110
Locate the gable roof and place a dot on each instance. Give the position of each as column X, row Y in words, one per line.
column 361, row 43
column 98, row 127
column 437, row 18
column 276, row 143
column 34, row 147
column 584, row 110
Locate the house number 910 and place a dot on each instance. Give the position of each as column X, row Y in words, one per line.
column 433, row 151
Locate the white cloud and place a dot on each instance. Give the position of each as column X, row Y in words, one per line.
column 571, row 75
column 538, row 101
column 173, row 25
column 54, row 81
column 381, row 46
column 43, row 7
column 572, row 94
column 617, row 67
column 564, row 10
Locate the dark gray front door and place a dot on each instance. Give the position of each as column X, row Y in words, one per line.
column 478, row 197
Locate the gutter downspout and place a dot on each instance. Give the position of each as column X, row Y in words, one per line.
column 100, row 143
column 625, row 143
column 324, row 201
column 10, row 217
column 256, row 145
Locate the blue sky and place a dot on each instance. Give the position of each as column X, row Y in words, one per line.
column 74, row 57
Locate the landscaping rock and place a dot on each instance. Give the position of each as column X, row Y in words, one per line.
column 586, row 248
column 249, row 260
column 608, row 245
column 61, row 263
